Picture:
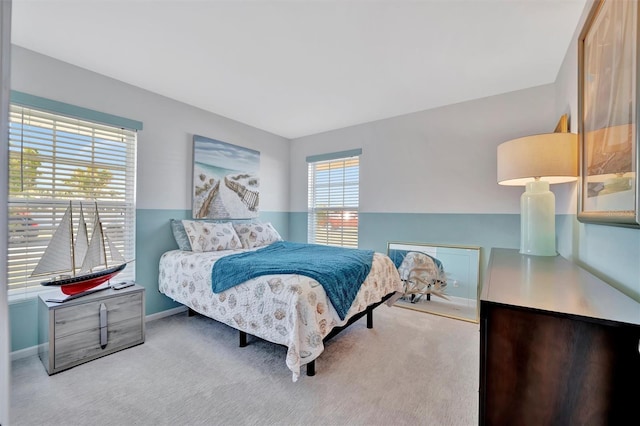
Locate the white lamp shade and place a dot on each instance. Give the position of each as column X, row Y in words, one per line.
column 552, row 157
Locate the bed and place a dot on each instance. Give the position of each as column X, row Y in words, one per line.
column 287, row 309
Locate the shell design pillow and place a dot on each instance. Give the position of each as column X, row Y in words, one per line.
column 211, row 236
column 257, row 234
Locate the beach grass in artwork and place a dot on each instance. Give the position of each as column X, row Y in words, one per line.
column 226, row 184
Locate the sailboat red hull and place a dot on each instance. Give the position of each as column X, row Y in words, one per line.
column 81, row 283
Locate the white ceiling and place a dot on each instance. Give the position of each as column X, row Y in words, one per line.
column 302, row 67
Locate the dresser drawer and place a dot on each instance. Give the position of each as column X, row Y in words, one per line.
column 75, row 348
column 86, row 316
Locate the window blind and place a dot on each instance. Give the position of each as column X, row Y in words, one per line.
column 334, row 191
column 54, row 160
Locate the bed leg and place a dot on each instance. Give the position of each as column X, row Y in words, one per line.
column 243, row 338
column 191, row 312
column 311, row 368
column 369, row 317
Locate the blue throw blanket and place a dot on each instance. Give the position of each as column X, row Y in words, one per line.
column 341, row 271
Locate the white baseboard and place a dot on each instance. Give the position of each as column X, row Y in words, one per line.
column 24, row 353
column 166, row 313
column 33, row 350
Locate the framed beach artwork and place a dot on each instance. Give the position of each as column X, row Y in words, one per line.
column 225, row 180
column 608, row 114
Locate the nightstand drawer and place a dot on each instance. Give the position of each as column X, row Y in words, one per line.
column 75, row 348
column 84, row 317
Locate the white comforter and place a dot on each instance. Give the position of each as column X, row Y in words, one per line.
column 292, row 310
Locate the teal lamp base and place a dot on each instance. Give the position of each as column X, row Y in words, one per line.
column 538, row 220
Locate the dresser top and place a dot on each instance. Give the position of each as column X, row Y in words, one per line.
column 552, row 283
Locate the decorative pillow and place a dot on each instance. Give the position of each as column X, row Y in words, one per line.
column 256, row 234
column 180, row 235
column 211, row 236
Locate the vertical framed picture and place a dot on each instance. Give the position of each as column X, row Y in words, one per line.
column 608, row 114
column 225, row 180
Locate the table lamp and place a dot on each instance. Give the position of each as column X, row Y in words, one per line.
column 535, row 162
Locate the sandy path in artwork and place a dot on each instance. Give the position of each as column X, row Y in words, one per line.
column 206, row 204
column 218, row 205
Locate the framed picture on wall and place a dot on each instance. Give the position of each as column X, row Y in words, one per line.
column 608, row 114
column 225, row 180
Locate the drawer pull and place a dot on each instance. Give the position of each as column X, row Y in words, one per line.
column 103, row 326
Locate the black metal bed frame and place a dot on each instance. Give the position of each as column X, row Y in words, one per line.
column 311, row 366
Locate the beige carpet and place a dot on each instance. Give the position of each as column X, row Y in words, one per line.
column 412, row 368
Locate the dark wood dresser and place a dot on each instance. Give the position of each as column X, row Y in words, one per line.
column 558, row 346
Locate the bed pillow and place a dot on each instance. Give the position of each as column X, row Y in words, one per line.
column 180, row 235
column 256, row 234
column 211, row 236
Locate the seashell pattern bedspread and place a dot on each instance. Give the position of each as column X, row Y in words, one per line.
column 291, row 310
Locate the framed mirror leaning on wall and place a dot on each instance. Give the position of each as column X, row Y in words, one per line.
column 438, row 279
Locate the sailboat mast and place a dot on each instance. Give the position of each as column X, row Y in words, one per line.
column 103, row 245
column 73, row 248
column 81, row 242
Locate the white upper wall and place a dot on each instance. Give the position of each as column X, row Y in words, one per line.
column 567, row 103
column 441, row 160
column 165, row 147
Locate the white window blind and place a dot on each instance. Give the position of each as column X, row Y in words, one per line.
column 334, row 191
column 54, row 160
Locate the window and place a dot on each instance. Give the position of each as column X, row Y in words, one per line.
column 57, row 159
column 334, row 186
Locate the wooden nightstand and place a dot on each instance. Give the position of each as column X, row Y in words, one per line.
column 69, row 333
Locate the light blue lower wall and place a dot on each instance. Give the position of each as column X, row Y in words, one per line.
column 611, row 253
column 23, row 323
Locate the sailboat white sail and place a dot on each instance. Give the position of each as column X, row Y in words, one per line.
column 61, row 255
column 113, row 251
column 95, row 255
column 59, row 258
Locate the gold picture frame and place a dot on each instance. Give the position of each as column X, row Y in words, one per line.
column 607, row 109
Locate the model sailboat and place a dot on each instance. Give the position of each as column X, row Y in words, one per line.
column 63, row 255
